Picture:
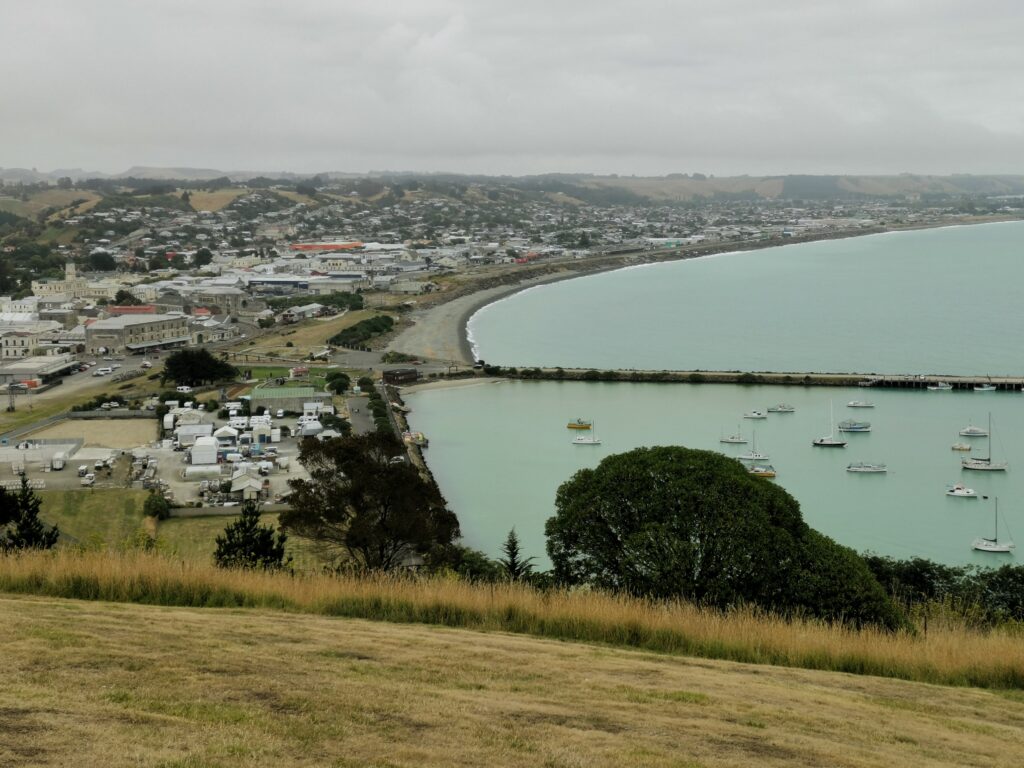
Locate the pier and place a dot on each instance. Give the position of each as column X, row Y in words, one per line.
column 888, row 381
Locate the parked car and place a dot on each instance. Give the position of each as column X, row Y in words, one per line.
column 88, row 479
column 146, row 364
column 280, row 413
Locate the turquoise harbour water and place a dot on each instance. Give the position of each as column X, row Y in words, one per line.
column 499, row 452
column 933, row 301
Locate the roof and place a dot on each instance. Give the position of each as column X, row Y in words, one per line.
column 123, row 321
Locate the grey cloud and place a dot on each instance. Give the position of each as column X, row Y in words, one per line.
column 740, row 86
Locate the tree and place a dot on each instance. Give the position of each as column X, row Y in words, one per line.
column 516, row 567
column 101, row 261
column 196, row 366
column 247, row 544
column 156, row 506
column 338, row 382
column 125, row 298
column 363, row 509
column 670, row 522
column 24, row 529
column 203, row 257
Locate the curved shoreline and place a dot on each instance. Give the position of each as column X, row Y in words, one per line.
column 442, row 330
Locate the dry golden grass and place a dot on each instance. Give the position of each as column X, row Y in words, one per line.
column 947, row 654
column 95, row 684
column 202, row 200
column 307, row 336
column 120, row 433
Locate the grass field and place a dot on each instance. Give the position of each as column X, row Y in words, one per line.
column 308, row 336
column 949, row 653
column 123, row 434
column 96, row 684
column 50, row 198
column 100, row 515
column 214, row 201
column 194, row 539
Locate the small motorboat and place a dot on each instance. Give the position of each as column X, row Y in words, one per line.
column 854, row 426
column 781, row 408
column 972, row 431
column 762, row 470
column 940, row 386
column 860, row 404
column 755, row 415
column 961, row 446
column 961, row 491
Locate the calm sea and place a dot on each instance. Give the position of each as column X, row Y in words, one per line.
column 931, row 301
column 935, row 301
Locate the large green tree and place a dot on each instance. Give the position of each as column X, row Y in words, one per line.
column 671, row 522
column 20, row 526
column 125, row 298
column 363, row 509
column 196, row 366
column 246, row 543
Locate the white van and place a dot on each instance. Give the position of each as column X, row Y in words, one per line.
column 102, row 371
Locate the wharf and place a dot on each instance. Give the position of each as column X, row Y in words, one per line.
column 897, row 381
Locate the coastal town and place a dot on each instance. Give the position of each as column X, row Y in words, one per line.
column 294, row 283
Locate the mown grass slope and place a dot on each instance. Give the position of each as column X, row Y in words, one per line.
column 99, row 684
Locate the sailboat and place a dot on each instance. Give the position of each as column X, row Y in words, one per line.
column 994, row 545
column 985, row 463
column 588, row 439
column 753, row 454
column 829, row 440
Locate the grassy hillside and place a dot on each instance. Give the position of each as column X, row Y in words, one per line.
column 947, row 653
column 127, row 685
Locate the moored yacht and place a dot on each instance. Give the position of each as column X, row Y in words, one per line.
column 961, row 491
column 860, row 404
column 854, row 426
column 781, row 408
column 866, row 467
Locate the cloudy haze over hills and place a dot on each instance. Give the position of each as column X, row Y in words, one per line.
column 641, row 87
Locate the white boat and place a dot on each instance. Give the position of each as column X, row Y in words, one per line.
column 972, row 431
column 590, row 438
column 994, row 545
column 860, row 404
column 829, row 440
column 737, row 439
column 961, row 446
column 961, row 491
column 755, row 415
column 940, row 386
column 854, row 426
column 781, row 408
column 762, row 470
column 985, row 388
column 984, row 464
column 867, row 467
column 753, row 454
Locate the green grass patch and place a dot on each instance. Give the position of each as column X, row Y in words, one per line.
column 103, row 515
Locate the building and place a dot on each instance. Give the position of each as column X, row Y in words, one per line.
column 137, row 333
column 400, row 376
column 72, row 285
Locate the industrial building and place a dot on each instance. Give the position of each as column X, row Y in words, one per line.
column 137, row 333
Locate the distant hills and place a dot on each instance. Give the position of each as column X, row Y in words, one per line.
column 673, row 187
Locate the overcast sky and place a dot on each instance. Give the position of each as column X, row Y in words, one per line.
column 516, row 87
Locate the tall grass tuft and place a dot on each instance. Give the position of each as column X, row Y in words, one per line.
column 950, row 653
